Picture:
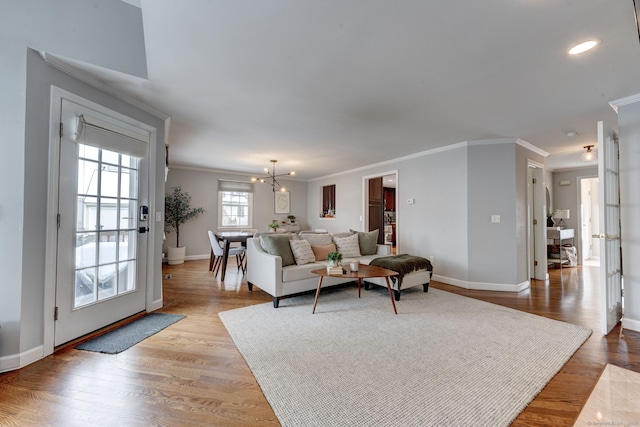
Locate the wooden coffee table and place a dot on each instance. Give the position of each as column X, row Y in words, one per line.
column 364, row 272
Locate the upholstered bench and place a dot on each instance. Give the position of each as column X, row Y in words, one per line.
column 412, row 271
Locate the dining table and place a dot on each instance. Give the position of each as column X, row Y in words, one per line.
column 229, row 237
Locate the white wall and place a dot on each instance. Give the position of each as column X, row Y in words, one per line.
column 202, row 185
column 103, row 32
column 629, row 128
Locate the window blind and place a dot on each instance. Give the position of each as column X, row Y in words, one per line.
column 98, row 133
column 225, row 185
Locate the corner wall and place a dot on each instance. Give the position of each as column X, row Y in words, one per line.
column 112, row 37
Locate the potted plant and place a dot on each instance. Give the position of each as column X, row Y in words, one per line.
column 292, row 219
column 334, row 258
column 273, row 226
column 177, row 211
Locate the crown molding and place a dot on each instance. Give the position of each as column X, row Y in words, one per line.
column 621, row 102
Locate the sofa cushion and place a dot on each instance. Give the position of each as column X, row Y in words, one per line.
column 321, row 252
column 341, row 234
column 302, row 252
column 368, row 241
column 316, row 239
column 348, row 246
column 278, row 244
column 300, row 272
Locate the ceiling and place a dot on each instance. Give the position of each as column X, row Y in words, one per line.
column 329, row 86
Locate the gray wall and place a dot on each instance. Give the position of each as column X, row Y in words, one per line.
column 492, row 191
column 435, row 225
column 202, row 185
column 103, row 32
column 629, row 127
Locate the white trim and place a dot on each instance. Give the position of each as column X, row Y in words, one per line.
column 17, row 361
column 399, row 159
column 483, row 286
column 196, row 257
column 621, row 102
column 52, row 203
column 432, row 151
column 631, row 324
column 532, row 147
column 155, row 305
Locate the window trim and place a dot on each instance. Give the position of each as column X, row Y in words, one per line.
column 249, row 208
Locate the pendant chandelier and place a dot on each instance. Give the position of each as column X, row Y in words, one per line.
column 271, row 177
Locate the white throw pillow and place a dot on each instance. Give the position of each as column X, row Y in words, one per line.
column 348, row 246
column 302, row 252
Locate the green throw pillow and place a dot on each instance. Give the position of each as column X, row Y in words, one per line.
column 368, row 241
column 278, row 245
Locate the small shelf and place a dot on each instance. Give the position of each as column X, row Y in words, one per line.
column 556, row 235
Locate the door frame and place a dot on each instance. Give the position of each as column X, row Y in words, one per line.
column 52, row 207
column 365, row 200
column 536, row 210
column 580, row 215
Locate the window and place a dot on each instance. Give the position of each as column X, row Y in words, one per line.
column 234, row 209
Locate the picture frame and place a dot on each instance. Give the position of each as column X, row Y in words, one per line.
column 282, row 202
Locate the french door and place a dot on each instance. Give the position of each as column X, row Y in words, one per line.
column 99, row 279
column 610, row 255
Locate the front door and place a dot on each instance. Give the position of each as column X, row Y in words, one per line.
column 610, row 255
column 99, row 279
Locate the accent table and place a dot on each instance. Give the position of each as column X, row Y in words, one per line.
column 364, row 272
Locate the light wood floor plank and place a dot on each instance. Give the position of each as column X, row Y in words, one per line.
column 191, row 374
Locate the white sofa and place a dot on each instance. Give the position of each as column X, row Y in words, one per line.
column 265, row 271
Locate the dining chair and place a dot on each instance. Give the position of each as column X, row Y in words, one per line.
column 217, row 254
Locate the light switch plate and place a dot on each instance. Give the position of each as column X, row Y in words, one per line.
column 158, row 216
column 495, row 219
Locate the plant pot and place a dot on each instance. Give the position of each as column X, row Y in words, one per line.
column 176, row 255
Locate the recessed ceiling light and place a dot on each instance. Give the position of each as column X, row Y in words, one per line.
column 571, row 133
column 583, row 47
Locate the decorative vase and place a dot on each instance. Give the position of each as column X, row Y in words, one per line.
column 176, row 255
column 550, row 222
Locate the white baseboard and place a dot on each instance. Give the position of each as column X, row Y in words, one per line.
column 17, row 361
column 631, row 324
column 482, row 286
column 196, row 257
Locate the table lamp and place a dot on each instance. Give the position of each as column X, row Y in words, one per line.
column 562, row 214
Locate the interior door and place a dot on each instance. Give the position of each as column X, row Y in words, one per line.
column 610, row 256
column 376, row 207
column 99, row 279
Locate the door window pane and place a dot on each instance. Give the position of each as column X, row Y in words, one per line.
column 106, row 205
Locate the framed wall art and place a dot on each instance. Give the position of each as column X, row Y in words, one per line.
column 282, row 202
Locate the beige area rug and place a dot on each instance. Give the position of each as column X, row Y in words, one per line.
column 444, row 360
column 614, row 401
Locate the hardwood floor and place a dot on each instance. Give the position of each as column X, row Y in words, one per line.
column 191, row 373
